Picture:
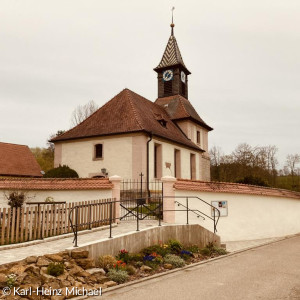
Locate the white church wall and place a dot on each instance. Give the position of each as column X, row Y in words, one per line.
column 117, row 156
column 168, row 157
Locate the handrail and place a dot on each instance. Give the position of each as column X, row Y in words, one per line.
column 187, row 206
column 136, row 213
column 192, row 210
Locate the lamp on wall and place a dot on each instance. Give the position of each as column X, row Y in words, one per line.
column 104, row 171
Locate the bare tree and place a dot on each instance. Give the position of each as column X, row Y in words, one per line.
column 215, row 154
column 291, row 162
column 244, row 154
column 81, row 112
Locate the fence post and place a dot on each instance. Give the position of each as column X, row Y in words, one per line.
column 187, row 211
column 137, row 215
column 116, row 192
column 76, row 226
column 168, row 201
column 110, row 219
column 214, row 220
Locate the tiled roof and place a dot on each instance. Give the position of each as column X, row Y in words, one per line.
column 128, row 112
column 235, row 188
column 171, row 56
column 179, row 107
column 18, row 160
column 55, row 184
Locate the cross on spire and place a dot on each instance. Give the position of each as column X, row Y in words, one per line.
column 172, row 24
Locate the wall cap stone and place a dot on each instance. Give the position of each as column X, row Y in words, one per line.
column 115, row 178
column 168, row 179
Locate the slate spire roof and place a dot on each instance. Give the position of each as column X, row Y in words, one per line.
column 129, row 112
column 172, row 55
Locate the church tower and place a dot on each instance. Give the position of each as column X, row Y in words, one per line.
column 172, row 74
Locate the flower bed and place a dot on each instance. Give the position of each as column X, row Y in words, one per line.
column 157, row 259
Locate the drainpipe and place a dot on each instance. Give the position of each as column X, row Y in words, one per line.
column 148, row 189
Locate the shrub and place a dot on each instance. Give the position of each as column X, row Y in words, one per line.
column 253, row 180
column 61, row 172
column 11, row 280
column 220, row 251
column 205, row 251
column 152, row 264
column 106, row 262
column 131, row 270
column 175, row 246
column 55, row 269
column 193, row 249
column 211, row 249
column 138, row 264
column 119, row 276
column 16, row 199
column 156, row 249
column 135, row 257
column 174, row 260
column 49, row 200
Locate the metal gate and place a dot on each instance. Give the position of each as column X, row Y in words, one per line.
column 141, row 199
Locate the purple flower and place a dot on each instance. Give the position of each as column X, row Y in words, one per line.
column 186, row 252
column 148, row 258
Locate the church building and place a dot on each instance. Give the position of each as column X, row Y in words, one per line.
column 131, row 134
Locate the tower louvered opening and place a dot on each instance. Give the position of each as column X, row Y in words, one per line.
column 168, row 88
column 183, row 89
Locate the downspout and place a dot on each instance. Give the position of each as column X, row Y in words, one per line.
column 148, row 189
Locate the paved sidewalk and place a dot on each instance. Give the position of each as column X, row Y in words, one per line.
column 239, row 245
column 54, row 246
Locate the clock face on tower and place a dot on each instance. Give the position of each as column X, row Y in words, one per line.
column 167, row 75
column 183, row 76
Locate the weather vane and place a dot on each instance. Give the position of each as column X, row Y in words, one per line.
column 172, row 25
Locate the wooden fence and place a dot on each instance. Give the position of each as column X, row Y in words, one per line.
column 29, row 223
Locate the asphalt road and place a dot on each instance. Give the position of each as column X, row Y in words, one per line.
column 268, row 272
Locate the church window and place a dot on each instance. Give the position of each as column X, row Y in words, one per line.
column 99, row 151
column 198, row 137
column 177, row 166
column 157, row 161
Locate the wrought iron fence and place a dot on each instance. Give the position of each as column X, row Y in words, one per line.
column 136, row 197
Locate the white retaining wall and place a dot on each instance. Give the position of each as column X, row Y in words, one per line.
column 249, row 216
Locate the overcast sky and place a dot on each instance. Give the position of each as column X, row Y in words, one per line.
column 244, row 56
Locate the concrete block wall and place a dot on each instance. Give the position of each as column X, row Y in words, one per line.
column 135, row 241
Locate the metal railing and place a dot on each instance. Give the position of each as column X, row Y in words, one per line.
column 215, row 218
column 140, row 211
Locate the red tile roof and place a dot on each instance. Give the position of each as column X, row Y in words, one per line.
column 128, row 112
column 18, row 160
column 235, row 188
column 55, row 184
column 180, row 108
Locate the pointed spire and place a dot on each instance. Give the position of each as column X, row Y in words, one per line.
column 172, row 24
column 172, row 55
